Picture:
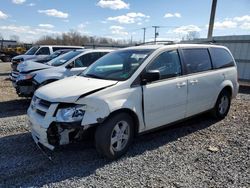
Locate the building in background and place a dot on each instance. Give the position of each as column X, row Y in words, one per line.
column 7, row 43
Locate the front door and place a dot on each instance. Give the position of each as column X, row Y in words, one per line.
column 165, row 100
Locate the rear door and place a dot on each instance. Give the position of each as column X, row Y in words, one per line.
column 203, row 82
column 165, row 100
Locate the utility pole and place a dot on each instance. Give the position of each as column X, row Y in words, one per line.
column 156, row 33
column 144, row 34
column 211, row 22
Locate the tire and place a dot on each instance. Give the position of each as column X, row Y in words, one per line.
column 222, row 105
column 107, row 132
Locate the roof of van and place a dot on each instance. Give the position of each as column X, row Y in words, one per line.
column 157, row 46
column 59, row 46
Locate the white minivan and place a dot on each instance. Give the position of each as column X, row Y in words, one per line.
column 134, row 90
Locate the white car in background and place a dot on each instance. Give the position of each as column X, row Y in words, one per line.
column 37, row 52
column 33, row 75
column 131, row 91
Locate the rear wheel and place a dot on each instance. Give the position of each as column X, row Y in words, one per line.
column 114, row 136
column 222, row 105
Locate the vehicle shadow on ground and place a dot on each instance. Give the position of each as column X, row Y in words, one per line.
column 31, row 167
column 14, row 107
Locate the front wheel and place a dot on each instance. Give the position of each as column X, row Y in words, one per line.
column 222, row 105
column 115, row 135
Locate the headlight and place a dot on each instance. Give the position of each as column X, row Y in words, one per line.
column 71, row 114
column 25, row 76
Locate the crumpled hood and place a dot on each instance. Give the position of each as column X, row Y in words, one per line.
column 68, row 90
column 25, row 57
column 30, row 66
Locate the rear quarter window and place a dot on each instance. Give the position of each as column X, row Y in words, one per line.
column 196, row 60
column 221, row 58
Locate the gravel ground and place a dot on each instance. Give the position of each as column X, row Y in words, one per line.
column 200, row 152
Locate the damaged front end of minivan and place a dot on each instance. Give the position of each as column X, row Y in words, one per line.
column 58, row 124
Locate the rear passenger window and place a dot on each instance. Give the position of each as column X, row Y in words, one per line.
column 197, row 60
column 43, row 51
column 56, row 48
column 168, row 64
column 88, row 59
column 221, row 58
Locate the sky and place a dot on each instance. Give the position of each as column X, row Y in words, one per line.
column 121, row 19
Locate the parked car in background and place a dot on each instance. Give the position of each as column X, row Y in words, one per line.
column 33, row 75
column 131, row 91
column 14, row 74
column 39, row 51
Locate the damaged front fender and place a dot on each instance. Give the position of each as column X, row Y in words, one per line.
column 96, row 111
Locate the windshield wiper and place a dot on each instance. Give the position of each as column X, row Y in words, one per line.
column 93, row 76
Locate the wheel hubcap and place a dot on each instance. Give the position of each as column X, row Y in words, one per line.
column 224, row 102
column 120, row 136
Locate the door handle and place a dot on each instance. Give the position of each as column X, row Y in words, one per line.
column 182, row 84
column 193, row 82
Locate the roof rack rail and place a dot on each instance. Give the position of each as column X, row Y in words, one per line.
column 197, row 42
column 164, row 42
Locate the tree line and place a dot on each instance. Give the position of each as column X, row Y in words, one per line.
column 76, row 39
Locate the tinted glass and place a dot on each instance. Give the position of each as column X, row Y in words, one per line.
column 197, row 60
column 90, row 58
column 79, row 62
column 32, row 50
column 66, row 47
column 168, row 63
column 221, row 58
column 119, row 65
column 43, row 51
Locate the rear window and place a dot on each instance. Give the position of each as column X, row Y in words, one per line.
column 221, row 58
column 197, row 60
column 62, row 48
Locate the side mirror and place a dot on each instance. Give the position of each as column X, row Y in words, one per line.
column 150, row 76
column 70, row 66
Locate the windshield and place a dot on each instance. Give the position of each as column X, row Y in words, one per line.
column 32, row 50
column 119, row 65
column 64, row 58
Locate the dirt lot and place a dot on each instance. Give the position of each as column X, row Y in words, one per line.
column 173, row 157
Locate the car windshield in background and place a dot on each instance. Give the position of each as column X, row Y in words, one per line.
column 32, row 50
column 119, row 65
column 64, row 58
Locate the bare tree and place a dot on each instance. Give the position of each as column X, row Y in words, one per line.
column 75, row 38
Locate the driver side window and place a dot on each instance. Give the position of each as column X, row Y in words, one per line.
column 168, row 64
column 78, row 63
